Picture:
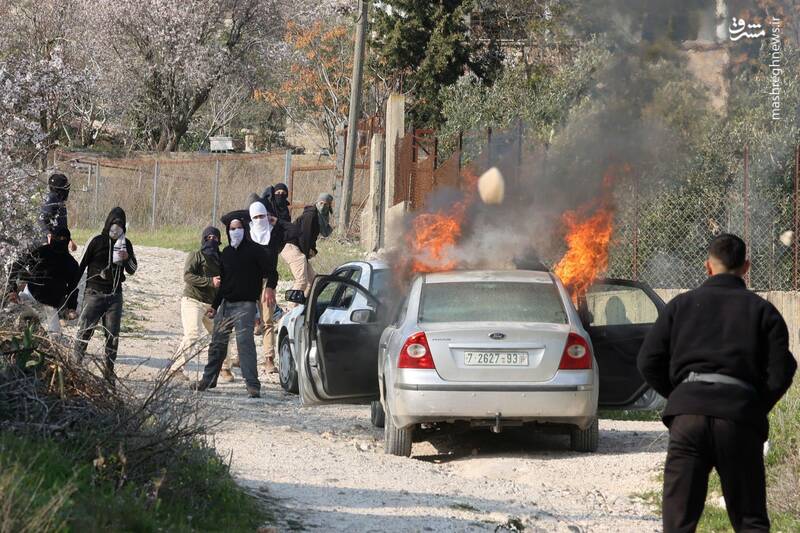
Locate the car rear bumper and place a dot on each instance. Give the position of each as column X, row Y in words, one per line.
column 422, row 396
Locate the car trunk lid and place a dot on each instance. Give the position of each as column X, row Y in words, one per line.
column 496, row 351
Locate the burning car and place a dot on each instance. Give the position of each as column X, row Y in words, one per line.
column 493, row 348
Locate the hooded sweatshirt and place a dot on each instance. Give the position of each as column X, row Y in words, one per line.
column 278, row 206
column 103, row 275
column 51, row 273
column 200, row 269
column 54, row 210
column 244, row 268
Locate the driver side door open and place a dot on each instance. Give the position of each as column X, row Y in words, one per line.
column 339, row 361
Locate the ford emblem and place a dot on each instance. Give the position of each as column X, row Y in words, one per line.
column 497, row 336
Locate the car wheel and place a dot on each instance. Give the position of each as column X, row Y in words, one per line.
column 396, row 441
column 376, row 414
column 287, row 373
column 585, row 440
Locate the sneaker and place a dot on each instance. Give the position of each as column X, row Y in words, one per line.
column 253, row 392
column 199, row 386
column 226, row 376
column 269, row 366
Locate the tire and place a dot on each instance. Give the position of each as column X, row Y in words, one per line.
column 376, row 414
column 287, row 372
column 585, row 440
column 396, row 441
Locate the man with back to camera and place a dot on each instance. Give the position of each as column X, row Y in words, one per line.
column 720, row 355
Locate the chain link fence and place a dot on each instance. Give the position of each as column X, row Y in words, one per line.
column 663, row 239
column 192, row 190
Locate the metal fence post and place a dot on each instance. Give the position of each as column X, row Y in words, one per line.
column 636, row 227
column 746, row 236
column 156, row 171
column 796, row 221
column 288, row 175
column 215, row 201
column 97, row 194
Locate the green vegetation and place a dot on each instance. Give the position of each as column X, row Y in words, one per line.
column 55, row 486
column 625, row 414
column 783, row 474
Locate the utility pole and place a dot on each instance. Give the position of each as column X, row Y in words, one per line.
column 352, row 119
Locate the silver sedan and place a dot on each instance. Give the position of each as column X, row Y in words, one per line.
column 489, row 348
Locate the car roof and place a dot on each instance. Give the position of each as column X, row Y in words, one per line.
column 520, row 276
column 376, row 264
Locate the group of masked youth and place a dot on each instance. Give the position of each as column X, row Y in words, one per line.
column 225, row 291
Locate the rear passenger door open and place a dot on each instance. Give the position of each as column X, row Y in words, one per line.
column 339, row 360
column 618, row 314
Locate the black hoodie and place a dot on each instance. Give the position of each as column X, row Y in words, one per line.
column 278, row 208
column 52, row 275
column 244, row 268
column 98, row 258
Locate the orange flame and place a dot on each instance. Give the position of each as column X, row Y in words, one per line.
column 589, row 232
column 434, row 236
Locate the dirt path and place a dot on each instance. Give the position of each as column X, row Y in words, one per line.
column 326, row 468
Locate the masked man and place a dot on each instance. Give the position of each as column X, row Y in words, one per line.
column 201, row 276
column 107, row 258
column 54, row 210
column 266, row 233
column 244, row 267
column 48, row 278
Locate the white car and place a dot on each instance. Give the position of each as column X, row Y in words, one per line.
column 489, row 348
column 338, row 302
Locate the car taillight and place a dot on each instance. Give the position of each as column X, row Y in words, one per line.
column 416, row 353
column 577, row 355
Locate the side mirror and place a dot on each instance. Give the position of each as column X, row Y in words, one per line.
column 363, row 316
column 295, row 296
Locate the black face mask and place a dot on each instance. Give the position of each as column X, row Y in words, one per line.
column 211, row 248
column 59, row 245
column 280, row 201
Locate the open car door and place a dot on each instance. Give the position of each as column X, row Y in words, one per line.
column 618, row 314
column 338, row 361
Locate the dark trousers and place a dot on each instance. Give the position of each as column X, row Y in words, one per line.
column 240, row 316
column 99, row 307
column 696, row 444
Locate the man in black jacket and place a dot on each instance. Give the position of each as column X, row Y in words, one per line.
column 107, row 258
column 243, row 267
column 720, row 355
column 48, row 275
column 54, row 210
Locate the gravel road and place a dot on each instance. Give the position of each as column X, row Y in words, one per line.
column 324, row 467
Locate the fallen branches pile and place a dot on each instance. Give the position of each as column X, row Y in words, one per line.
column 132, row 434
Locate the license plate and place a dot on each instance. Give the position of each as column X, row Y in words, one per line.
column 496, row 358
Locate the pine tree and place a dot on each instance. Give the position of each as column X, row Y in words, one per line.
column 424, row 46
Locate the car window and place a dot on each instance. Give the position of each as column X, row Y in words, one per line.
column 401, row 312
column 614, row 305
column 345, row 298
column 379, row 283
column 496, row 301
